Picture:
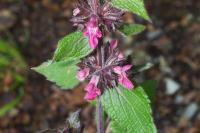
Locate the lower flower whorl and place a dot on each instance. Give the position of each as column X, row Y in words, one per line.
column 105, row 68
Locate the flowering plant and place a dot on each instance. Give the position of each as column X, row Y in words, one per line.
column 85, row 56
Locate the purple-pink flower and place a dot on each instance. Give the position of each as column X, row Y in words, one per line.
column 82, row 74
column 91, row 88
column 113, row 44
column 93, row 32
column 76, row 11
column 105, row 68
column 123, row 78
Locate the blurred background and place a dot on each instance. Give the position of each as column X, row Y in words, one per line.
column 29, row 31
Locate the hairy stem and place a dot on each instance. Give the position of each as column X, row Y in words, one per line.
column 99, row 112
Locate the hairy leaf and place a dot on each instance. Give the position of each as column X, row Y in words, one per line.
column 135, row 6
column 130, row 109
column 131, row 29
column 116, row 128
column 73, row 46
column 63, row 73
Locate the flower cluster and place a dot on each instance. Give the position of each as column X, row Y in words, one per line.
column 105, row 68
column 93, row 17
column 107, row 15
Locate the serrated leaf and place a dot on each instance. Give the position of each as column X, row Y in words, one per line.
column 131, row 29
column 130, row 109
column 73, row 46
column 63, row 73
column 135, row 6
column 149, row 87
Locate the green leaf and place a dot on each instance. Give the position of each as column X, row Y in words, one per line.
column 149, row 87
column 130, row 109
column 131, row 29
column 135, row 6
column 9, row 53
column 63, row 73
column 9, row 106
column 116, row 128
column 73, row 46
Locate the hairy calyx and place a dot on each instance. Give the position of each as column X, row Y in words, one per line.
column 105, row 68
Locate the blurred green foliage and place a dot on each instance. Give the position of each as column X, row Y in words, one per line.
column 12, row 74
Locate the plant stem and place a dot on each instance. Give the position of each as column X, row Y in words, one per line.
column 99, row 111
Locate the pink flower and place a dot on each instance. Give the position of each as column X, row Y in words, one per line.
column 82, row 74
column 93, row 32
column 113, row 44
column 120, row 56
column 91, row 89
column 123, row 79
column 76, row 11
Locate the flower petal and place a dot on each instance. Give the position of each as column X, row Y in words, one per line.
column 94, row 80
column 118, row 70
column 126, row 68
column 86, row 33
column 120, row 56
column 99, row 33
column 89, row 87
column 93, row 41
column 76, row 11
column 82, row 74
column 92, row 91
column 113, row 44
column 123, row 80
column 90, row 96
column 93, row 32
